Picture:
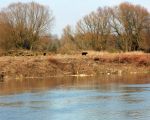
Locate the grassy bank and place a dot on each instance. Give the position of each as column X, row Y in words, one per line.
column 95, row 63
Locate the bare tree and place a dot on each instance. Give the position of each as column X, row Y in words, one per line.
column 68, row 42
column 128, row 22
column 96, row 26
column 29, row 21
column 117, row 29
column 133, row 18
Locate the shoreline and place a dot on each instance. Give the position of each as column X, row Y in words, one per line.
column 71, row 65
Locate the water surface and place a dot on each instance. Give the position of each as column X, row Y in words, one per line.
column 74, row 98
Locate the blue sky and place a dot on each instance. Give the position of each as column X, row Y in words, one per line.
column 70, row 11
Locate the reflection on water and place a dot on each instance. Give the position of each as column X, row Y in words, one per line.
column 74, row 98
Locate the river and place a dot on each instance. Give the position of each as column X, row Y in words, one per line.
column 111, row 97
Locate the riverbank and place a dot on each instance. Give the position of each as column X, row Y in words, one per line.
column 94, row 63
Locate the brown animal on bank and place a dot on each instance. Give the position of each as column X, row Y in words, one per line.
column 96, row 59
column 1, row 76
column 44, row 54
column 84, row 53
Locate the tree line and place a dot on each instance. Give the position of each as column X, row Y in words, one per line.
column 120, row 28
column 125, row 27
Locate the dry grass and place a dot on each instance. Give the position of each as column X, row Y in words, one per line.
column 138, row 58
column 53, row 60
column 93, row 63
